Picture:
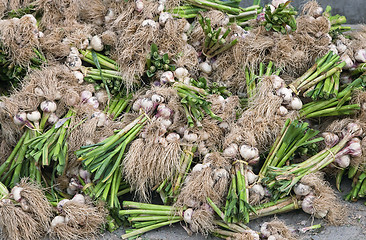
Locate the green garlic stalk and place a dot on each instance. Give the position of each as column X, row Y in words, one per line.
column 146, row 217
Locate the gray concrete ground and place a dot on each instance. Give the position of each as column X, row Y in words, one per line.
column 353, row 229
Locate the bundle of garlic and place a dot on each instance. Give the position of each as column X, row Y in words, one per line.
column 282, row 179
column 25, row 212
column 20, row 163
column 207, row 180
column 318, row 198
column 77, row 219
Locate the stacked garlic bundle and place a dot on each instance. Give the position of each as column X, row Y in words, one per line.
column 76, row 219
column 318, row 198
column 207, row 180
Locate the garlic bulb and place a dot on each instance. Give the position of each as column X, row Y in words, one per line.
column 220, row 173
column 307, row 204
column 139, row 5
column 48, row 106
column 248, row 152
column 172, row 137
column 102, row 96
column 96, row 43
column 318, row 11
column 333, row 48
column 330, row 139
column 34, row 116
column 188, row 215
column 197, row 168
column 109, row 16
column 57, row 220
column 231, row 151
column 302, row 189
column 251, row 177
column 349, row 63
column 85, row 175
column 79, row 76
column 282, row 111
column 52, row 119
column 343, row 161
column 150, row 23
column 180, row 73
column 277, row 82
column 360, row 55
column 205, row 67
column 286, row 94
column 102, row 119
column 79, row 198
column 136, row 105
column 163, row 18
column 38, row 91
column 353, row 129
column 353, row 148
column 160, row 8
column 61, row 204
column 93, row 101
column 167, row 77
column 202, row 148
column 147, row 105
column 85, row 44
column 271, row 238
column 341, row 47
column 265, row 232
column 73, row 61
column 16, row 193
column 20, row 118
column 257, row 189
column 157, row 98
column 190, row 137
column 166, row 123
column 295, row 104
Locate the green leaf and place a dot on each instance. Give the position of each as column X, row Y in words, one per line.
column 154, row 48
column 96, row 61
column 149, row 74
column 165, row 58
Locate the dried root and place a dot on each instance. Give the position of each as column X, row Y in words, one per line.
column 340, row 124
column 36, row 202
column 202, row 221
column 170, row 40
column 56, row 42
column 57, row 13
column 83, row 222
column 147, row 164
column 212, row 181
column 278, row 229
column 246, row 235
column 19, row 37
column 17, row 224
column 92, row 11
column 132, row 59
column 259, row 124
column 326, row 200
